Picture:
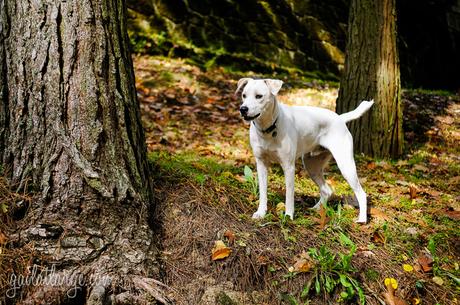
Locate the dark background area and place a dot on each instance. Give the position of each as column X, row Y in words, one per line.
column 304, row 36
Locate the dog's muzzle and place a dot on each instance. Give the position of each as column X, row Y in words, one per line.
column 250, row 118
column 244, row 113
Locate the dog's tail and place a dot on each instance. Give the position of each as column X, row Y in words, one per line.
column 358, row 112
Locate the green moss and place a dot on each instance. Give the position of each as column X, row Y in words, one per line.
column 334, row 53
column 372, row 275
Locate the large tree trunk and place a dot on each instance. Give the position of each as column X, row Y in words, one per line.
column 372, row 72
column 70, row 128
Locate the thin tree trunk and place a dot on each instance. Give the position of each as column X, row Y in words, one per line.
column 70, row 128
column 372, row 72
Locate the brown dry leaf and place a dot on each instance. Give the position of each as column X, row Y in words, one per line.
column 384, row 164
column 376, row 213
column 220, row 251
column 402, row 163
column 412, row 191
column 390, row 297
column 426, row 263
column 323, row 220
column 378, row 237
column 262, row 259
column 371, row 165
column 452, row 214
column 230, row 236
column 433, row 193
column 3, row 238
column 454, row 180
column 240, row 178
column 421, row 168
column 302, row 265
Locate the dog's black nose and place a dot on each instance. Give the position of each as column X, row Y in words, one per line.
column 244, row 110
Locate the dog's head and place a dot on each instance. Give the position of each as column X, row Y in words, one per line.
column 257, row 95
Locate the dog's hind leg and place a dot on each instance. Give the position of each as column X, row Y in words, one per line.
column 340, row 144
column 289, row 175
column 314, row 165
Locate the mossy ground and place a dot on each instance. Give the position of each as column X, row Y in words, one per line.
column 199, row 147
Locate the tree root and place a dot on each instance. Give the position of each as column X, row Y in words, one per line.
column 70, row 288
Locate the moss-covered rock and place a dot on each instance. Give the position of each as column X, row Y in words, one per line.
column 266, row 34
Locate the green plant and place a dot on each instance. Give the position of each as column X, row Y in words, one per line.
column 334, row 272
column 249, row 177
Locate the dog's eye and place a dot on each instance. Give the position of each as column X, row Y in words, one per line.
column 258, row 96
column 244, row 95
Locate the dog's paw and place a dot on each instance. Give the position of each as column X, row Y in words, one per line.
column 290, row 215
column 258, row 215
column 362, row 219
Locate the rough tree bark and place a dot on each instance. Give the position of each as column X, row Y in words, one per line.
column 70, row 128
column 372, row 72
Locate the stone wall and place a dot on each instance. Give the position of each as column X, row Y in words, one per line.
column 303, row 35
column 292, row 34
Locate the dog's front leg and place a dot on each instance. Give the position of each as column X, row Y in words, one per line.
column 262, row 173
column 289, row 175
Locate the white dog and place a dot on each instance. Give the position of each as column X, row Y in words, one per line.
column 282, row 133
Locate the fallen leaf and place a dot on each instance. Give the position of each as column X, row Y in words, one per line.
column 230, row 236
column 416, row 301
column 408, row 268
column 378, row 237
column 3, row 238
column 426, row 263
column 452, row 214
column 220, row 251
column 366, row 253
column 402, row 163
column 371, row 165
column 412, row 191
column 384, row 164
column 433, row 193
column 262, row 259
column 302, row 265
column 240, row 178
column 323, row 220
column 391, row 281
column 376, row 213
column 412, row 231
column 402, row 182
column 390, row 297
column 438, row 280
column 280, row 208
column 454, row 180
column 421, row 168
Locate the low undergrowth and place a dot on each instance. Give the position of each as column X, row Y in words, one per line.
column 204, row 166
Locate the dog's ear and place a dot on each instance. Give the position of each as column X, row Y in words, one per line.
column 274, row 85
column 241, row 83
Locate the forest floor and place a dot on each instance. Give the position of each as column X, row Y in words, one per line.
column 214, row 253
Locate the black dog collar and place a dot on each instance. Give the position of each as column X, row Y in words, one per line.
column 269, row 129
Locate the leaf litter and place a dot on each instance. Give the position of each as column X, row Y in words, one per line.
column 186, row 110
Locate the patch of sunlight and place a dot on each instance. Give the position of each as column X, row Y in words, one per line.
column 324, row 98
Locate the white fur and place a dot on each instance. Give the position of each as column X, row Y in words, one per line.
column 301, row 131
